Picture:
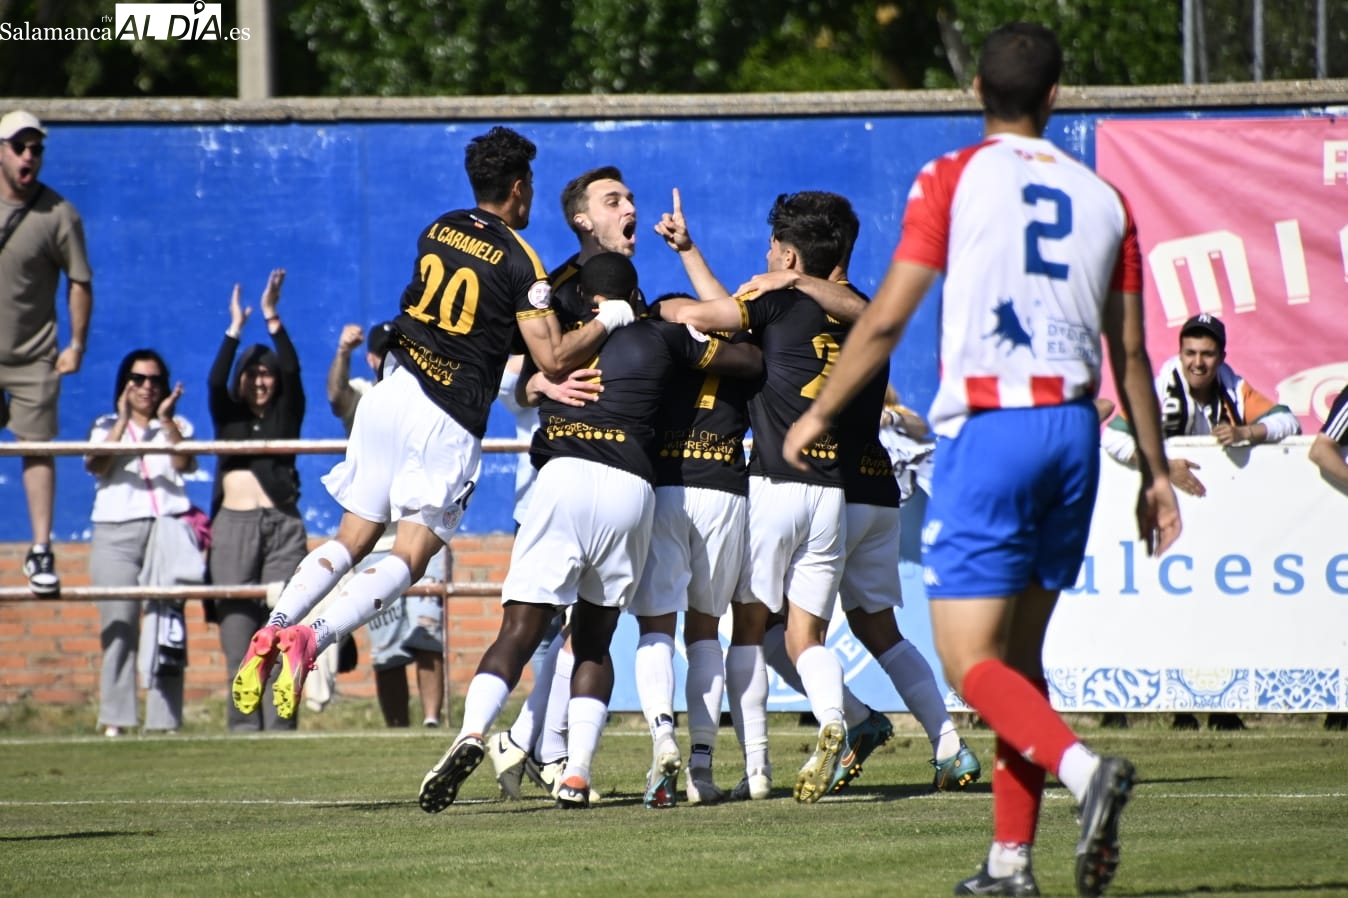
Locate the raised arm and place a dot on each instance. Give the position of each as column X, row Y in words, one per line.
column 341, row 397
column 673, row 228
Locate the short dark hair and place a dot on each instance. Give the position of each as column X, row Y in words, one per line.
column 495, row 161
column 1017, row 68
column 124, row 371
column 610, row 275
column 806, row 222
column 574, row 193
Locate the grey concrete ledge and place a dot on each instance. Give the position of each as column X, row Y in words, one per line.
column 1331, row 95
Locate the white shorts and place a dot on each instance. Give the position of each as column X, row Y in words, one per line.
column 796, row 539
column 406, row 459
column 870, row 579
column 586, row 536
column 697, row 547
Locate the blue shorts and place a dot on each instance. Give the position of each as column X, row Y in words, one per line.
column 1011, row 502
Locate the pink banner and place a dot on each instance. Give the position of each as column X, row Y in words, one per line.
column 1246, row 219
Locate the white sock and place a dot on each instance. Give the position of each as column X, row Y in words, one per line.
column 704, row 690
column 1078, row 765
column 1007, row 858
column 552, row 741
column 655, row 683
column 776, row 657
column 314, row 578
column 363, row 596
column 487, row 694
column 746, row 681
column 823, row 678
column 587, row 723
column 854, row 709
column 524, row 731
column 915, row 682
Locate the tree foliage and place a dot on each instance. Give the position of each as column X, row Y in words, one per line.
column 512, row 47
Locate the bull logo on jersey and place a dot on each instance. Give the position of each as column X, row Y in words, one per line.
column 1009, row 329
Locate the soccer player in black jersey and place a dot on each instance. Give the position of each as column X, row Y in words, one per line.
column 870, row 590
column 601, row 211
column 796, row 526
column 415, row 449
column 585, row 540
column 697, row 547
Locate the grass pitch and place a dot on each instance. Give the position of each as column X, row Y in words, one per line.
column 333, row 812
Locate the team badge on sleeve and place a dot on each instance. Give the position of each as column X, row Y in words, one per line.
column 540, row 295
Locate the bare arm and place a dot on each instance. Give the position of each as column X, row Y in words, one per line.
column 1328, row 457
column 711, row 315
column 81, row 300
column 736, row 359
column 341, row 397
column 673, row 228
column 1157, row 509
column 555, row 353
column 840, row 301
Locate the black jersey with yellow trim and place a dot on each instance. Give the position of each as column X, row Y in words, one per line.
column 700, row 431
column 474, row 280
column 618, row 430
column 867, row 472
column 800, row 344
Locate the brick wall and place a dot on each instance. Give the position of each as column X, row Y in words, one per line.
column 50, row 652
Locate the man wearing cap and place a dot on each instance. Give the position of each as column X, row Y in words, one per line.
column 41, row 235
column 410, row 631
column 1200, row 394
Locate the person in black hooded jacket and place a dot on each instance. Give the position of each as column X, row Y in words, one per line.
column 258, row 535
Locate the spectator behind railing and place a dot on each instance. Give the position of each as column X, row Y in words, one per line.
column 1329, row 453
column 138, row 538
column 258, row 535
column 1200, row 394
column 41, row 235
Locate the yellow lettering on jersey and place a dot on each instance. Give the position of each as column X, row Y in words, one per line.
column 472, row 246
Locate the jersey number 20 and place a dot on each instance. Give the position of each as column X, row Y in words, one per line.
column 457, row 301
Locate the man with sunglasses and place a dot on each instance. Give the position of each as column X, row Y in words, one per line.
column 41, row 235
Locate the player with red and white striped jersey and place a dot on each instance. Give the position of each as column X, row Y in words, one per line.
column 1041, row 260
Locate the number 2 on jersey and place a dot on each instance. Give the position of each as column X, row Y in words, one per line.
column 455, row 317
column 826, row 348
column 1035, row 231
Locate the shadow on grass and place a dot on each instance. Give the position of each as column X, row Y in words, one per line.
column 1332, row 888
column 61, row 837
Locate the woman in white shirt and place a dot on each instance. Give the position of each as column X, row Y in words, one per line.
column 132, row 492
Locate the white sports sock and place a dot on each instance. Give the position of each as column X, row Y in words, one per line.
column 363, row 596
column 916, row 684
column 587, row 723
column 746, row 682
column 776, row 657
column 1077, row 767
column 1007, row 858
column 655, row 682
column 552, row 741
column 524, row 731
column 855, row 711
column 704, row 690
column 314, row 578
column 823, row 678
column 487, row 694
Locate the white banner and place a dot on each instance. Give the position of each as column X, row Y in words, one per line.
column 1248, row 612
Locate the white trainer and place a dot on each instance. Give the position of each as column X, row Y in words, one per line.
column 756, row 785
column 508, row 760
column 699, row 787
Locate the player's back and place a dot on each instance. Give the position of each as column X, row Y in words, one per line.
column 1030, row 241
column 618, row 430
column 700, row 427
column 473, row 280
column 800, row 342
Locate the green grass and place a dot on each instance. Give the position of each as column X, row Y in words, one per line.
column 333, row 812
